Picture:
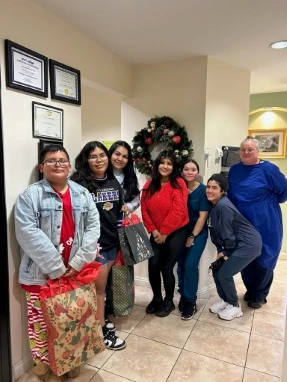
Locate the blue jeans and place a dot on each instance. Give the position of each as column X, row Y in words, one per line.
column 187, row 269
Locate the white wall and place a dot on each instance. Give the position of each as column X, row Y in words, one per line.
column 101, row 116
column 209, row 97
column 227, row 108
column 226, row 123
column 176, row 89
column 28, row 24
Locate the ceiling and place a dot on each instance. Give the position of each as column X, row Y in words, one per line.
column 148, row 31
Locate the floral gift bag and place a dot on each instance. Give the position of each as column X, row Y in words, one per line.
column 69, row 308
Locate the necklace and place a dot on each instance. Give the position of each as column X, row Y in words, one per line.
column 193, row 187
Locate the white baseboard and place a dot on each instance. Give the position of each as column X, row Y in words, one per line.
column 22, row 366
column 201, row 293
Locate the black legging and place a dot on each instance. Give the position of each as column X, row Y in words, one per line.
column 164, row 260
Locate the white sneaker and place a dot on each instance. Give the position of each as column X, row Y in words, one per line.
column 113, row 342
column 218, row 306
column 230, row 312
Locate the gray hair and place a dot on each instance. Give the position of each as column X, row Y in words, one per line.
column 253, row 140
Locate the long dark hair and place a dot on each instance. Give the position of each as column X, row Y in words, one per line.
column 155, row 183
column 83, row 172
column 130, row 184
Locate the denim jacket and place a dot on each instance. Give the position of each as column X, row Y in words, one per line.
column 38, row 218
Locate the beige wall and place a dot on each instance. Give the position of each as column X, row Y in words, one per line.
column 101, row 116
column 176, row 89
column 273, row 119
column 226, row 121
column 227, row 108
column 27, row 24
column 30, row 25
column 209, row 97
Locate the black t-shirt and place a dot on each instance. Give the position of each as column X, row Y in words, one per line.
column 109, row 200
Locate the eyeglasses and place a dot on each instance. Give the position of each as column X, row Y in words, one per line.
column 95, row 158
column 249, row 150
column 52, row 162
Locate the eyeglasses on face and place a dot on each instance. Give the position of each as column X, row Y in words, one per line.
column 52, row 162
column 95, row 158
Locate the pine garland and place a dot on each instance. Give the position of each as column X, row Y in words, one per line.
column 160, row 130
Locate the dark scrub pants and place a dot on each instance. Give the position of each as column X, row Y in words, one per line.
column 257, row 280
column 187, row 271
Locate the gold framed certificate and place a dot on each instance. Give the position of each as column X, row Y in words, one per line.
column 47, row 121
column 65, row 83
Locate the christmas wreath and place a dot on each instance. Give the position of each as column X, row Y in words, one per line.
column 160, row 130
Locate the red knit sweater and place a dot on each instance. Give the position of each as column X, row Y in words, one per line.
column 166, row 210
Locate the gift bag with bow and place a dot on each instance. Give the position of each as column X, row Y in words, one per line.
column 69, row 308
column 134, row 241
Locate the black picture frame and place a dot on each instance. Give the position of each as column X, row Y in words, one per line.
column 61, row 75
column 45, row 142
column 35, row 125
column 31, row 75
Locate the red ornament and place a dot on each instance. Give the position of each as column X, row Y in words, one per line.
column 176, row 139
column 167, row 122
column 148, row 141
column 137, row 160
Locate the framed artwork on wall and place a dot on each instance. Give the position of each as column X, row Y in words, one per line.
column 41, row 145
column 47, row 121
column 272, row 142
column 26, row 70
column 65, row 83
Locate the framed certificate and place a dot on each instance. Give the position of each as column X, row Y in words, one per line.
column 26, row 70
column 65, row 83
column 47, row 121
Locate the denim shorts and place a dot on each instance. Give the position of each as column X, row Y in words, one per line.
column 104, row 257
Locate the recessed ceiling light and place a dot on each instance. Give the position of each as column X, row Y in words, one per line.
column 279, row 44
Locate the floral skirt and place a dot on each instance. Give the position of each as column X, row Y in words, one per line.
column 37, row 329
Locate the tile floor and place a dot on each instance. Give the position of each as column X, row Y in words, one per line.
column 204, row 349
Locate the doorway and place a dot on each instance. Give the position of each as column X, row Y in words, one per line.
column 5, row 345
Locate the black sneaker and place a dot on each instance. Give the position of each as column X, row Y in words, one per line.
column 247, row 297
column 165, row 308
column 113, row 342
column 188, row 311
column 109, row 325
column 181, row 304
column 256, row 303
column 154, row 305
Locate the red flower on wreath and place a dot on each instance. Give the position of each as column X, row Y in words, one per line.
column 148, row 141
column 167, row 122
column 176, row 139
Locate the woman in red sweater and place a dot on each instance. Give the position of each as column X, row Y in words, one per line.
column 165, row 216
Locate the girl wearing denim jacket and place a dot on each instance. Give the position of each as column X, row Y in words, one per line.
column 57, row 227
